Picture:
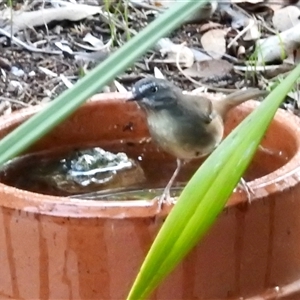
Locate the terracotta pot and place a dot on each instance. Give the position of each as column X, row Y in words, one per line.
column 61, row 248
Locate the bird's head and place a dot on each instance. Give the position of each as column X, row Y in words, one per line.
column 154, row 93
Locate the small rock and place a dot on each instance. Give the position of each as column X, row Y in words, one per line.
column 48, row 93
column 31, row 74
column 14, row 86
column 57, row 29
column 39, row 36
column 17, row 72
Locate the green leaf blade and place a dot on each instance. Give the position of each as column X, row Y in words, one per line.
column 195, row 212
column 65, row 104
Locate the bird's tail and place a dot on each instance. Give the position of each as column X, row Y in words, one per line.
column 236, row 98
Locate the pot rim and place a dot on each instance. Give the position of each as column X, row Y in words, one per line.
column 31, row 202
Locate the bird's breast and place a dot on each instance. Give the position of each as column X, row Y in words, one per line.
column 185, row 138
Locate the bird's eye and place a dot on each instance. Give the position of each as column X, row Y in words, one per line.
column 154, row 89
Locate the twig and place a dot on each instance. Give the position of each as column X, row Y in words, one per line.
column 251, row 23
column 261, row 68
column 14, row 101
column 18, row 42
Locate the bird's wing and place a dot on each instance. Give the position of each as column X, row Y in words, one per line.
column 198, row 105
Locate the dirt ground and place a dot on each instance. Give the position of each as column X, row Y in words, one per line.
column 46, row 56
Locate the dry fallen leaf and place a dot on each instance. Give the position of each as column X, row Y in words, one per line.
column 30, row 19
column 209, row 26
column 94, row 41
column 158, row 74
column 184, row 55
column 173, row 52
column 286, row 18
column 213, row 41
column 209, row 68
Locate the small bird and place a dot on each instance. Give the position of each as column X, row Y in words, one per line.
column 186, row 126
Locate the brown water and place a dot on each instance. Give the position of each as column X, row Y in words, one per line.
column 157, row 166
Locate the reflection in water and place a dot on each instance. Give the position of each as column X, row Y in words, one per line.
column 96, row 174
column 75, row 172
column 95, row 168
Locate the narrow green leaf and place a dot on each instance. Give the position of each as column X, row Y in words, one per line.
column 67, row 102
column 207, row 193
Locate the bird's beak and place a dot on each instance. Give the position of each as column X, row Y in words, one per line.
column 133, row 96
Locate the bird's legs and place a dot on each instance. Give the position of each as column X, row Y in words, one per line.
column 166, row 196
column 245, row 187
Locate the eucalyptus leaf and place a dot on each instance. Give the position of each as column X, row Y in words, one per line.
column 207, row 192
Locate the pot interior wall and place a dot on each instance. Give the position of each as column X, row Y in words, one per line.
column 250, row 249
column 122, row 127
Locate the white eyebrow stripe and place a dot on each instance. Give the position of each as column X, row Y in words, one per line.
column 145, row 87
